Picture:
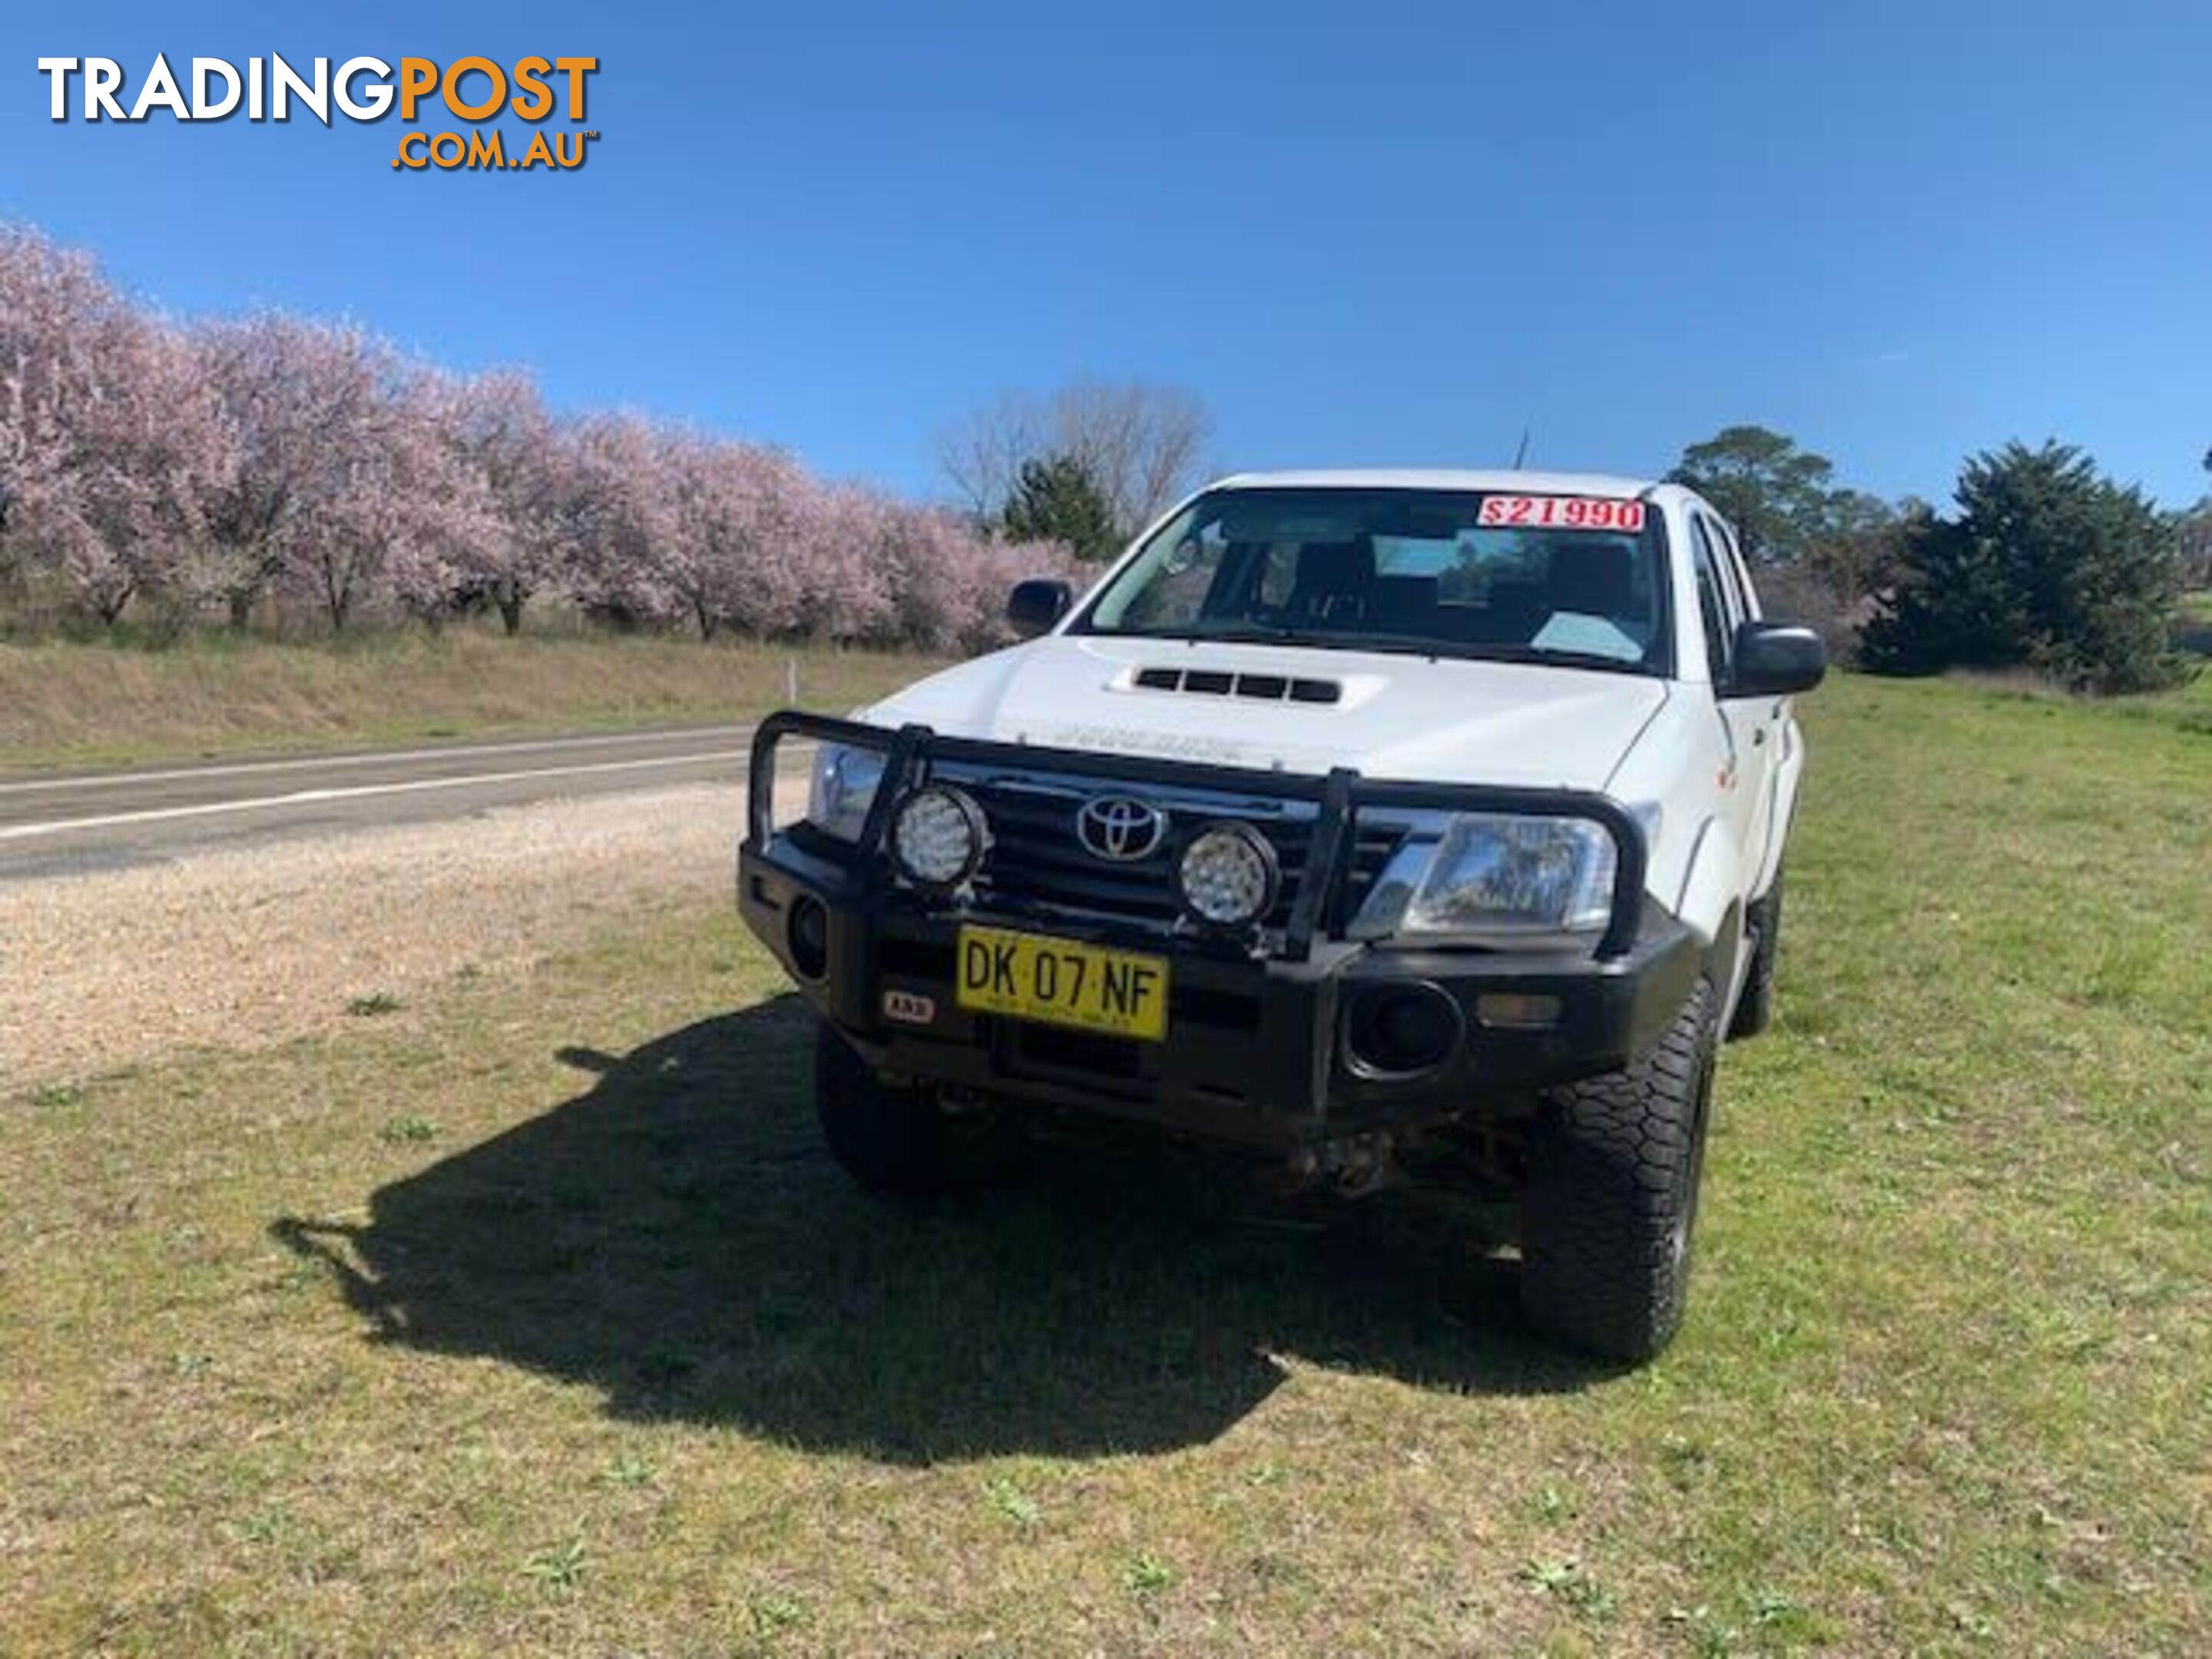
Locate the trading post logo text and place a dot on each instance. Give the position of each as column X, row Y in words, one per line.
column 472, row 90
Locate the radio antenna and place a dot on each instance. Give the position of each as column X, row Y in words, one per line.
column 1522, row 453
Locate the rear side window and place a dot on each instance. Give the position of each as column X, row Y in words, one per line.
column 1734, row 577
column 1714, row 608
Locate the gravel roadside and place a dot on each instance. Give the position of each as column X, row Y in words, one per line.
column 240, row 947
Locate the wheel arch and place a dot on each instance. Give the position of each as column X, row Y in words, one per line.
column 1711, row 889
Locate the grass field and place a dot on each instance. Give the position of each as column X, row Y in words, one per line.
column 79, row 704
column 530, row 1318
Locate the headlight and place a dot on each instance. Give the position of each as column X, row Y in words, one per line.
column 1501, row 876
column 1228, row 876
column 939, row 835
column 846, row 780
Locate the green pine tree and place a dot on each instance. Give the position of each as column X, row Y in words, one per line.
column 1779, row 497
column 2048, row 565
column 1056, row 500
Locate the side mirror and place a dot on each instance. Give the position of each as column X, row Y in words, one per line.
column 1776, row 660
column 1036, row 604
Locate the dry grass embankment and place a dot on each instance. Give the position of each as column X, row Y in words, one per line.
column 65, row 703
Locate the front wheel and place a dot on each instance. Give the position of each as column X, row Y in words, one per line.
column 1611, row 1196
column 905, row 1138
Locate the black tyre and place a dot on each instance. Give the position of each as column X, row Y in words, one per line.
column 1755, row 1009
column 903, row 1138
column 1612, row 1197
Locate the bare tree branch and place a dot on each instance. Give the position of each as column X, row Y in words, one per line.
column 1143, row 446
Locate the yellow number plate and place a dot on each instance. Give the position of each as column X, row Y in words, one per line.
column 1062, row 982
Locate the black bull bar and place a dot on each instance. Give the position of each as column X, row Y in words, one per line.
column 911, row 750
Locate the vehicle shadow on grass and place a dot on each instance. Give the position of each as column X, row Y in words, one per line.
column 675, row 1237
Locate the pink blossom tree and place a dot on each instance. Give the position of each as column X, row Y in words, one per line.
column 341, row 479
column 730, row 552
column 273, row 455
column 947, row 582
column 838, row 550
column 108, row 441
column 515, row 495
column 620, row 518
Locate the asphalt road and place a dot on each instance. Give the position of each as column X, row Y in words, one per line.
column 54, row 823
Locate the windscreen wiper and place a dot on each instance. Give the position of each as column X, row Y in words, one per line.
column 1404, row 645
column 1551, row 657
column 1279, row 634
column 1341, row 639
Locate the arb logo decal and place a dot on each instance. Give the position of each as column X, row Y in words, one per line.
column 909, row 1008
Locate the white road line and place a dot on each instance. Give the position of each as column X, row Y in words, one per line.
column 357, row 792
column 739, row 734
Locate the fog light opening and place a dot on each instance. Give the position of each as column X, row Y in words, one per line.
column 1402, row 1030
column 807, row 932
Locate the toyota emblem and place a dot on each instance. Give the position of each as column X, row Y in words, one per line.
column 1120, row 828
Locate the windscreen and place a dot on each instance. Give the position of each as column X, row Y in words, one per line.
column 1568, row 579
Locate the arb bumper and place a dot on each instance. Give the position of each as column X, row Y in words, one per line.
column 1314, row 1040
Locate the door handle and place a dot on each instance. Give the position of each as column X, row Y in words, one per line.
column 1759, row 738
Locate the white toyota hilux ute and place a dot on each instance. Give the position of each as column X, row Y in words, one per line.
column 1377, row 822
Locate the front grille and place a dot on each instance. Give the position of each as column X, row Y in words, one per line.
column 1036, row 857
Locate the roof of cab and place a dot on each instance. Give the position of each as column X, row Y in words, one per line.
column 1491, row 481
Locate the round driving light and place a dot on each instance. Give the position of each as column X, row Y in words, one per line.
column 1228, row 876
column 939, row 837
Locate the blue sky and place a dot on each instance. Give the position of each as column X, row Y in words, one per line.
column 1364, row 234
